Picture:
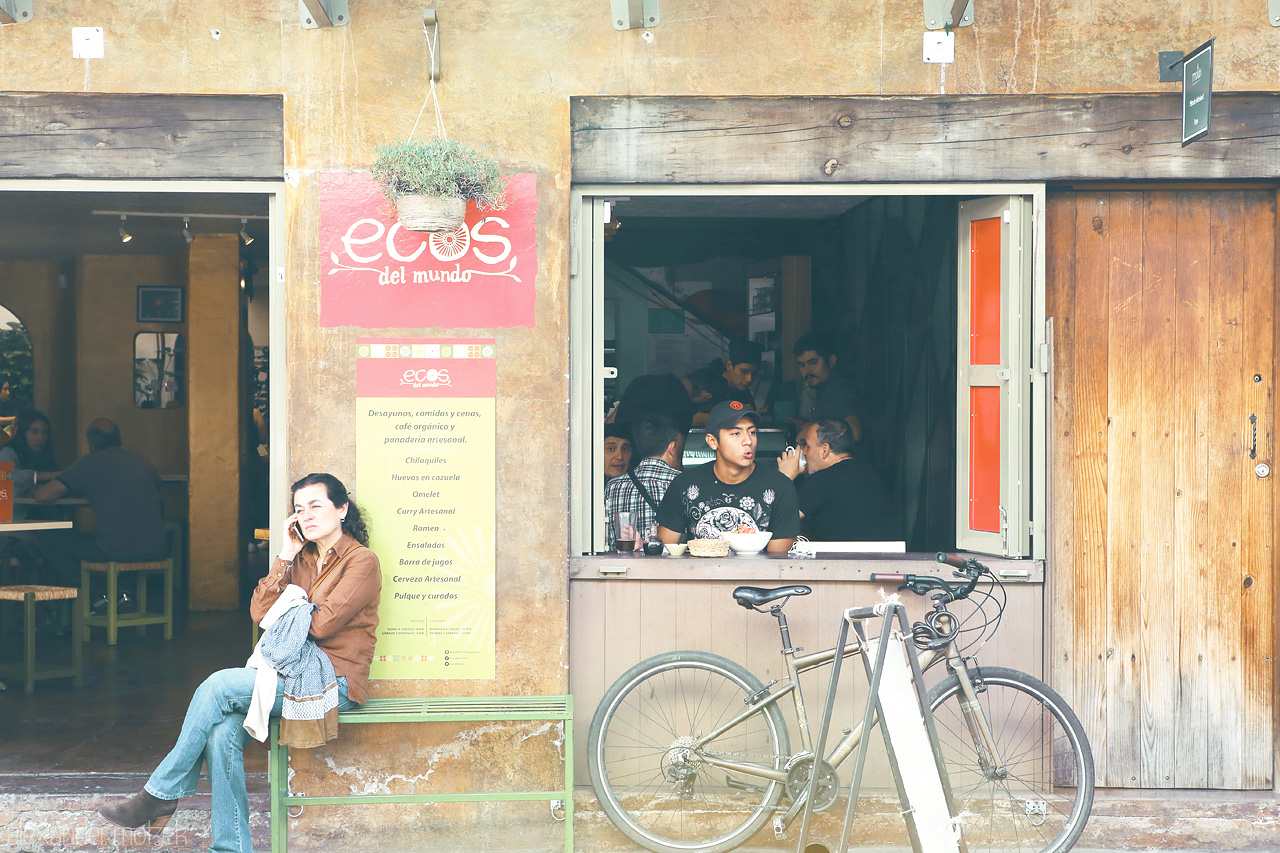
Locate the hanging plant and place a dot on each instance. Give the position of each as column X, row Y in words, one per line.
column 430, row 181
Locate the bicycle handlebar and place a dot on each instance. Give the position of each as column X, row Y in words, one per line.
column 970, row 569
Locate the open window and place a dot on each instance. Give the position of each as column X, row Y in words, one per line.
column 993, row 394
column 664, row 278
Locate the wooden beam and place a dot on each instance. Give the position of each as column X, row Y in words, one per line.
column 121, row 136
column 920, row 139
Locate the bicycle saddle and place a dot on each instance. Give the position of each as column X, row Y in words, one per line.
column 752, row 597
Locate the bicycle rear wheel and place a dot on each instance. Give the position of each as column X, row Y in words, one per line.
column 659, row 790
column 1040, row 797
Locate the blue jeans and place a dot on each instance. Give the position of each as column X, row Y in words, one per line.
column 213, row 731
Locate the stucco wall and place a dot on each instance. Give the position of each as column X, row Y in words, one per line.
column 106, row 323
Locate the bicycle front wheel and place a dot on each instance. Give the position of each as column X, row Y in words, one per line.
column 1038, row 797
column 656, row 784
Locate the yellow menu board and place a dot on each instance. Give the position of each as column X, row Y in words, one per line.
column 426, row 476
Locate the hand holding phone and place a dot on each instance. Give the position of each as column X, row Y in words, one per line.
column 297, row 530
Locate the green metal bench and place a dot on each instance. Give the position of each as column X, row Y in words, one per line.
column 433, row 710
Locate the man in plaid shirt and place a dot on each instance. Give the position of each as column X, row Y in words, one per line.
column 660, row 444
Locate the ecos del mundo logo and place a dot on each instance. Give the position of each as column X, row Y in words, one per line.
column 480, row 249
column 426, row 377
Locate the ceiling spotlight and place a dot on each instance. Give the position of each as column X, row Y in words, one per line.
column 244, row 232
column 125, row 236
column 186, row 231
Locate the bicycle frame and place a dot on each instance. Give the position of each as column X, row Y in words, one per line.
column 797, row 664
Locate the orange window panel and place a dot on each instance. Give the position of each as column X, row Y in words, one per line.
column 984, row 458
column 984, row 291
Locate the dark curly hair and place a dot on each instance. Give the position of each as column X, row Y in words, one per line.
column 353, row 525
column 46, row 459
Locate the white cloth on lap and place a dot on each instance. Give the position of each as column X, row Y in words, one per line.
column 256, row 720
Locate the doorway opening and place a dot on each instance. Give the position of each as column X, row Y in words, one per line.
column 151, row 304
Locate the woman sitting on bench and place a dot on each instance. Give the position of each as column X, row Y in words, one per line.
column 325, row 554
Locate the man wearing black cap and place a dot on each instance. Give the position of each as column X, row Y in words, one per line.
column 717, row 497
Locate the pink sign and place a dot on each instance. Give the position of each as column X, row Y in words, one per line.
column 377, row 275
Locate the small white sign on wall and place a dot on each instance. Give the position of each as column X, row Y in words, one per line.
column 940, row 47
column 88, row 43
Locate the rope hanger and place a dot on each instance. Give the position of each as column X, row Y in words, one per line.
column 433, row 41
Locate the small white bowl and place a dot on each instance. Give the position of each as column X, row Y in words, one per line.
column 676, row 549
column 747, row 543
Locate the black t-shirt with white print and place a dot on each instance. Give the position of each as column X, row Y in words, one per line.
column 697, row 503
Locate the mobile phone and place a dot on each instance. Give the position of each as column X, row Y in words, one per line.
column 297, row 528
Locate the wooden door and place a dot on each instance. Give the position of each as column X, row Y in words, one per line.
column 1162, row 617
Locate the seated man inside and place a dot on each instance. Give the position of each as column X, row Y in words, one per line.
column 733, row 382
column 617, row 451
column 123, row 490
column 732, row 490
column 660, row 446
column 823, row 392
column 842, row 496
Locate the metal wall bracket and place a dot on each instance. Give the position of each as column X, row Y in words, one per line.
column 1171, row 65
column 1273, row 12
column 319, row 14
column 16, row 11
column 431, row 25
column 634, row 14
column 948, row 14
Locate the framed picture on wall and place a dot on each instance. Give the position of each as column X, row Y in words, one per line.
column 158, row 304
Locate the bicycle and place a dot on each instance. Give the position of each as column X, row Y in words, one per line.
column 689, row 752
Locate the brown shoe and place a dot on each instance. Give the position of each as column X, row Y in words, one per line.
column 141, row 809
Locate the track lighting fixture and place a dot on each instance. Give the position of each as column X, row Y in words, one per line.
column 186, row 230
column 125, row 236
column 244, row 231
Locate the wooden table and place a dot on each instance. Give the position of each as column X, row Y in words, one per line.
column 58, row 502
column 32, row 526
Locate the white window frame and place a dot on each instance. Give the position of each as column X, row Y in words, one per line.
column 586, row 314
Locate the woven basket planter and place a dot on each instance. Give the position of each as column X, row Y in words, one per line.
column 709, row 547
column 430, row 213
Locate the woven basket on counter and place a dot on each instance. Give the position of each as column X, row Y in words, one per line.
column 709, row 547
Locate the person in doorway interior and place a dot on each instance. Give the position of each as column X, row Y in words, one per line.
column 326, row 565
column 842, row 498
column 660, row 445
column 31, row 454
column 7, row 410
column 823, row 392
column 733, row 490
column 123, row 489
column 617, row 451
column 30, row 451
column 733, row 382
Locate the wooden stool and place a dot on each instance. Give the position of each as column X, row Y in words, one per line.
column 29, row 594
column 112, row 619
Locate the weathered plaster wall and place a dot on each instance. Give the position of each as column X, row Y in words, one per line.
column 510, row 69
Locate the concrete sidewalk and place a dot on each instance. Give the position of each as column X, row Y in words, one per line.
column 51, row 813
